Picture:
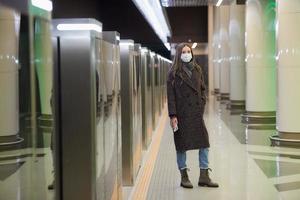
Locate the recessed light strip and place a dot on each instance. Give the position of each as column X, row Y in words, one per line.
column 43, row 4
column 79, row 27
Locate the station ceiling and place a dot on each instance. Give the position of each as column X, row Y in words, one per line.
column 188, row 19
column 115, row 15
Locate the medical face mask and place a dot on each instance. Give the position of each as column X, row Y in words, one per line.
column 186, row 57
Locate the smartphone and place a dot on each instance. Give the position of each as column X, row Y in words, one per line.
column 175, row 128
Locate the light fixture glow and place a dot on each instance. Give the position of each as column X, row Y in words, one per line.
column 118, row 38
column 167, row 45
column 152, row 54
column 153, row 13
column 43, row 4
column 165, row 3
column 194, row 45
column 79, row 27
column 144, row 50
column 219, row 3
column 127, row 43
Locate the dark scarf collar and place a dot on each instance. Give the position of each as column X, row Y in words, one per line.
column 188, row 69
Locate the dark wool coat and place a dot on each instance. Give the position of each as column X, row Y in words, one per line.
column 186, row 101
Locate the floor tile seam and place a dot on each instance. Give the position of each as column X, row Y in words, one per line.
column 270, row 158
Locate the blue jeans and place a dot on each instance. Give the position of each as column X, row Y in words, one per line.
column 203, row 159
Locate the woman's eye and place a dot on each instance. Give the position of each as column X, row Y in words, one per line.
column 186, row 52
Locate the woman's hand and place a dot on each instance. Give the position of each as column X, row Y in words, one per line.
column 173, row 122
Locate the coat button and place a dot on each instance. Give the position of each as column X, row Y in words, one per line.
column 197, row 103
column 190, row 104
column 188, row 95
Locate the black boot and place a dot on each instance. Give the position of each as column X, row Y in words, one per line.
column 185, row 182
column 204, row 179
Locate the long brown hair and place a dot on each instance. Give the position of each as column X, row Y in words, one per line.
column 177, row 63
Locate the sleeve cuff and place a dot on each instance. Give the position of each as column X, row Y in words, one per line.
column 172, row 115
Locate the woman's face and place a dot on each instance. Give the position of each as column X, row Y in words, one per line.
column 186, row 54
column 185, row 49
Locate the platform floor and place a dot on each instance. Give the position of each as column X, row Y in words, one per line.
column 243, row 163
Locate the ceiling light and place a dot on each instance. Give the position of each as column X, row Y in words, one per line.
column 219, row 3
column 153, row 13
column 144, row 50
column 152, row 54
column 79, row 27
column 194, row 45
column 167, row 45
column 128, row 43
column 43, row 4
column 165, row 3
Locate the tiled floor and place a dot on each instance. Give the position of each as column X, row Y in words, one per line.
column 243, row 163
column 242, row 160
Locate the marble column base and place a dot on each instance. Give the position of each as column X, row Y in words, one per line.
column 223, row 97
column 287, row 139
column 236, row 105
column 45, row 123
column 216, row 91
column 259, row 117
column 10, row 140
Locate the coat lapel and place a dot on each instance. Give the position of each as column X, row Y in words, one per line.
column 189, row 81
column 196, row 80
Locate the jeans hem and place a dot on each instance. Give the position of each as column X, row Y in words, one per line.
column 182, row 168
column 204, row 167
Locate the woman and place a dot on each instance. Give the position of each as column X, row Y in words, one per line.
column 186, row 102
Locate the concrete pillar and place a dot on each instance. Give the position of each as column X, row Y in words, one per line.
column 210, row 49
column 288, row 68
column 237, row 56
column 216, row 50
column 9, row 81
column 224, row 52
column 260, row 62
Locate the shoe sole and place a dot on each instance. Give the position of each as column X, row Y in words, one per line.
column 206, row 185
column 186, row 186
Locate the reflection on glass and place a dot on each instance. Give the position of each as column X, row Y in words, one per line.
column 26, row 163
column 44, row 141
column 100, row 100
column 119, row 119
column 138, row 106
column 43, row 64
